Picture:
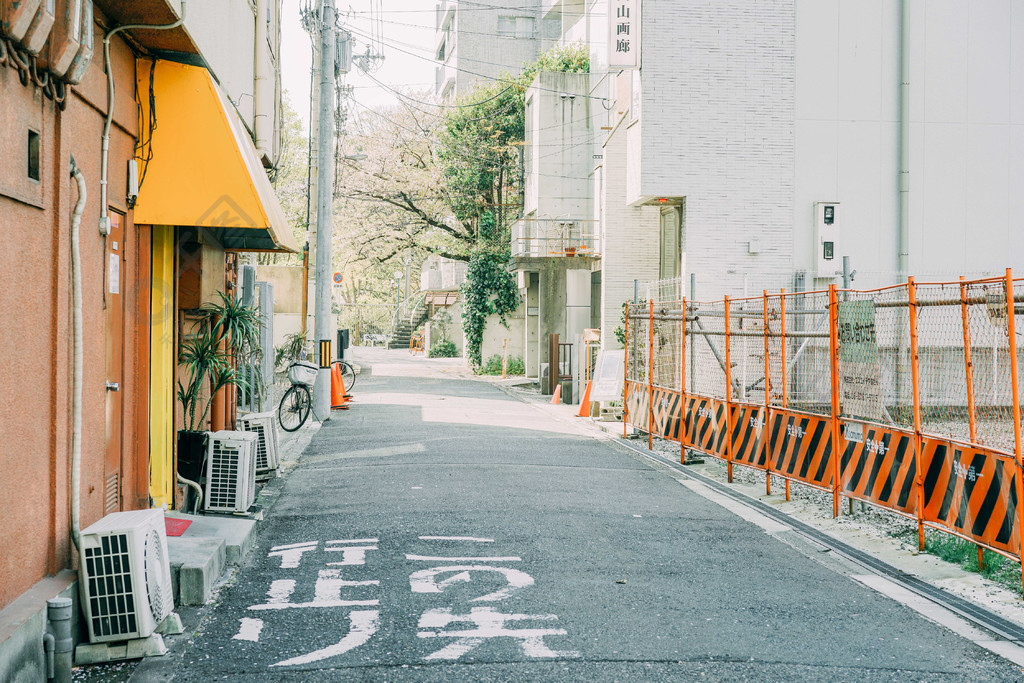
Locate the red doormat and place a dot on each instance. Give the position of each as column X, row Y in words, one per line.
column 176, row 527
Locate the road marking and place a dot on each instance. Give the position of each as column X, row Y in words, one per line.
column 427, row 558
column 425, row 580
column 489, row 623
column 942, row 616
column 363, row 626
column 753, row 516
column 350, row 554
column 291, row 555
column 327, row 593
column 355, row 540
column 457, row 538
column 249, row 629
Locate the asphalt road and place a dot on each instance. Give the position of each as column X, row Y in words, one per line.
column 440, row 530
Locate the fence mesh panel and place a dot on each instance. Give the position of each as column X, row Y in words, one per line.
column 667, row 339
column 637, row 317
column 808, row 366
column 775, row 347
column 706, row 371
column 992, row 389
column 746, row 349
column 941, row 361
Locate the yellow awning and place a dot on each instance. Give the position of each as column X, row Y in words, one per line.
column 204, row 169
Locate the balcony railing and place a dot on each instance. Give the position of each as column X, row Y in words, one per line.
column 553, row 237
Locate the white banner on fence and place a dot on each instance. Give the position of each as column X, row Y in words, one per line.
column 860, row 382
column 609, row 376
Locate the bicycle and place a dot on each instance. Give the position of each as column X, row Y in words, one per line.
column 297, row 402
column 348, row 374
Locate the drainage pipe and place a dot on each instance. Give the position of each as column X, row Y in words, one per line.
column 903, row 240
column 260, row 115
column 58, row 615
column 76, row 391
column 105, row 146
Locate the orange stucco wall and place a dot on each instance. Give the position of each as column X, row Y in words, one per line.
column 35, row 320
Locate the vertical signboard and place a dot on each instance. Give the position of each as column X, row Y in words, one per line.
column 859, row 370
column 624, row 34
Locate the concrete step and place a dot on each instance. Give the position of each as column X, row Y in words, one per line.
column 200, row 556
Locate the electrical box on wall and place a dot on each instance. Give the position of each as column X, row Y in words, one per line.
column 827, row 240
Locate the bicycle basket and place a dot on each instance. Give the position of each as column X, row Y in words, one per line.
column 302, row 373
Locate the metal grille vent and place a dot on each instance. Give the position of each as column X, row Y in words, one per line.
column 222, row 487
column 111, row 492
column 161, row 602
column 110, row 587
column 262, row 459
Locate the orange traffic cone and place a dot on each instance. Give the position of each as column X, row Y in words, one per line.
column 556, row 398
column 585, row 403
column 339, row 398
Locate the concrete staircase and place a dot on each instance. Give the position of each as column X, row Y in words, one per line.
column 407, row 324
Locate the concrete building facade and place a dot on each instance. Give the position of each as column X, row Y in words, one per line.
column 478, row 41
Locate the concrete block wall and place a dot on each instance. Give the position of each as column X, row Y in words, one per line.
column 716, row 127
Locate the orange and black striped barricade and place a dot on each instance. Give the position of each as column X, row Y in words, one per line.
column 879, row 466
column 637, row 405
column 972, row 492
column 705, row 425
column 801, row 447
column 747, row 435
column 667, row 414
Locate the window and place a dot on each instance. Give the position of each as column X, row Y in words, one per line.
column 516, row 27
column 33, row 155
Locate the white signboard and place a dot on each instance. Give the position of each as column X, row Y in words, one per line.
column 609, row 375
column 623, row 34
column 859, row 369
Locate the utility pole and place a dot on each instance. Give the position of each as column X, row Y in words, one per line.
column 322, row 327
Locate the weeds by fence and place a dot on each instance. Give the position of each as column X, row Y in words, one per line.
column 906, row 397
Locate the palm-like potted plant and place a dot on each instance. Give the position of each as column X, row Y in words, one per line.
column 225, row 334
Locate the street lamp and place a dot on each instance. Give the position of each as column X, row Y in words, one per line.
column 398, row 292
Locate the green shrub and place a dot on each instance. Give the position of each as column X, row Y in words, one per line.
column 443, row 349
column 493, row 366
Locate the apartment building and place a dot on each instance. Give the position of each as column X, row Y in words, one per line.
column 480, row 40
column 755, row 145
column 124, row 226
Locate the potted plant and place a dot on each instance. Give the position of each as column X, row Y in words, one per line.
column 224, row 334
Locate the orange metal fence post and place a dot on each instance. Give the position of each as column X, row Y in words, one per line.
column 972, row 418
column 915, row 373
column 1011, row 331
column 625, row 376
column 682, row 390
column 833, row 319
column 767, row 400
column 728, row 394
column 782, row 346
column 650, row 378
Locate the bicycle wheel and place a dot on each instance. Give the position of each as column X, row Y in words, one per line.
column 294, row 408
column 348, row 375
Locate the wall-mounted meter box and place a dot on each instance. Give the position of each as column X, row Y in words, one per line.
column 827, row 240
column 16, row 16
column 39, row 29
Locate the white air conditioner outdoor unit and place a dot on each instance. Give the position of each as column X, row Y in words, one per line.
column 264, row 425
column 230, row 472
column 125, row 576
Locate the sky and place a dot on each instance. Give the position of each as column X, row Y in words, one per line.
column 408, row 27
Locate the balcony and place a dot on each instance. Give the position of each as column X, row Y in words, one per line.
column 555, row 237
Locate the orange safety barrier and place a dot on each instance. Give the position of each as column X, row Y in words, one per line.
column 849, row 391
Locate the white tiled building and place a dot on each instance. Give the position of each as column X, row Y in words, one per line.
column 718, row 155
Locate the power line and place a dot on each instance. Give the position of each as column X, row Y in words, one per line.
column 474, row 73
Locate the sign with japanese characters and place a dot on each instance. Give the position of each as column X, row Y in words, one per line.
column 624, row 34
column 859, row 371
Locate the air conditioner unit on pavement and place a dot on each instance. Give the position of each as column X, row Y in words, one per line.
column 230, row 472
column 264, row 425
column 125, row 576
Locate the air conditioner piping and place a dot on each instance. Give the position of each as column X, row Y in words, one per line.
column 198, row 489
column 76, row 391
column 108, row 122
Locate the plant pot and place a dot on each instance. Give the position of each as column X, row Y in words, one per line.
column 192, row 453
